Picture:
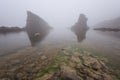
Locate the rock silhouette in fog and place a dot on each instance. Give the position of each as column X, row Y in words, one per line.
column 80, row 28
column 6, row 29
column 36, row 28
column 109, row 25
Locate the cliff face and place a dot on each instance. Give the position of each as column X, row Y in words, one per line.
column 113, row 23
column 80, row 28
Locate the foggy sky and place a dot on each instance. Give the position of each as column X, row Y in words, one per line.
column 58, row 13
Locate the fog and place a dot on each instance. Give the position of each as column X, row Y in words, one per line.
column 58, row 13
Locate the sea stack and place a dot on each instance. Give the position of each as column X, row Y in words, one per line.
column 36, row 27
column 80, row 27
column 81, row 23
column 35, row 24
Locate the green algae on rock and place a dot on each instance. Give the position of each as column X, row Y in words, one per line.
column 78, row 66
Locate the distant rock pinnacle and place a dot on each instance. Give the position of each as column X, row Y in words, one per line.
column 81, row 23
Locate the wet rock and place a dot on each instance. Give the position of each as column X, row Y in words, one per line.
column 14, row 69
column 90, row 61
column 32, row 65
column 86, row 53
column 66, row 53
column 46, row 77
column 104, row 67
column 16, row 61
column 68, row 73
column 43, row 57
column 107, row 77
column 96, row 66
column 63, row 49
column 94, row 75
column 5, row 79
column 20, row 75
column 75, row 66
column 72, row 64
column 75, row 59
column 39, row 53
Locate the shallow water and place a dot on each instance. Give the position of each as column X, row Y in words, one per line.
column 106, row 43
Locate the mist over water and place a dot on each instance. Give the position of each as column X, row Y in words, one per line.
column 62, row 13
column 93, row 40
column 61, row 16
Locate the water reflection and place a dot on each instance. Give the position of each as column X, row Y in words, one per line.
column 81, row 35
column 96, row 40
column 36, row 37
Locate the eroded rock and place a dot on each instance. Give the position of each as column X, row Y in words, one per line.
column 80, row 27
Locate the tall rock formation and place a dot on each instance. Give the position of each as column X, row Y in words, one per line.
column 81, row 23
column 35, row 24
column 80, row 28
column 36, row 28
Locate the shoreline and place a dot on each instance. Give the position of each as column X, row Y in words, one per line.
column 4, row 29
column 35, row 64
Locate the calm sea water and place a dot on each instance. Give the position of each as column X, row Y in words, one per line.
column 106, row 43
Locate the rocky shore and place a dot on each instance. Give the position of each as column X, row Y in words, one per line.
column 108, row 29
column 4, row 29
column 54, row 64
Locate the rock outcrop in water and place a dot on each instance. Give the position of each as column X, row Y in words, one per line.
column 80, row 28
column 35, row 24
column 36, row 27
